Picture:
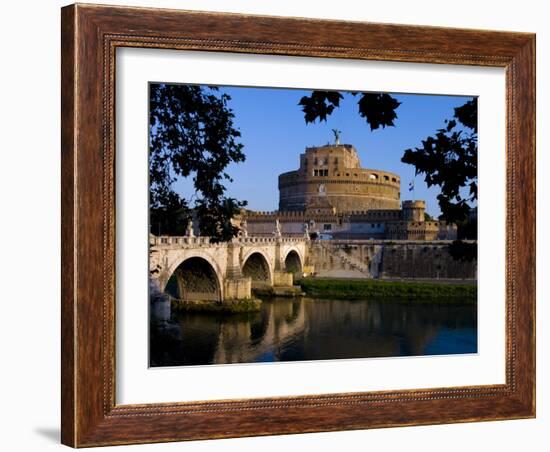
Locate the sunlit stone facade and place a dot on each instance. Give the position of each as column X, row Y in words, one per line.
column 334, row 172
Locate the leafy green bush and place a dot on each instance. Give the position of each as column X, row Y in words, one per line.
column 352, row 289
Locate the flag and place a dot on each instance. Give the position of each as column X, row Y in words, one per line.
column 411, row 185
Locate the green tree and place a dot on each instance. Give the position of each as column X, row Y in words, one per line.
column 449, row 160
column 378, row 109
column 192, row 134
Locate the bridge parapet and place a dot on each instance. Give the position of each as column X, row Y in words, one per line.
column 178, row 240
column 200, row 241
column 268, row 239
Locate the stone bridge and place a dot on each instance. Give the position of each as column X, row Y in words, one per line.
column 193, row 268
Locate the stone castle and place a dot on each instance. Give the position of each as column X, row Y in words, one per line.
column 364, row 231
column 332, row 196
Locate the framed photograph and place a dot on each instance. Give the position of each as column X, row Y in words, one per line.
column 282, row 225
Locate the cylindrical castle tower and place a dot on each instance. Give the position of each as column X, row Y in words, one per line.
column 334, row 173
column 414, row 210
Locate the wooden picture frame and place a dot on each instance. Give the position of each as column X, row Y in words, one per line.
column 90, row 36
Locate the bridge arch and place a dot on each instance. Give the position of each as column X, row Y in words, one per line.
column 201, row 268
column 257, row 266
column 293, row 262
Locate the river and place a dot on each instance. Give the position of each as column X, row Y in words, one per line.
column 311, row 329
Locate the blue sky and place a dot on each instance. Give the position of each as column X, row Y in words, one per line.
column 274, row 133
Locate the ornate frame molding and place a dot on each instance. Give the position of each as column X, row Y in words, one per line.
column 90, row 36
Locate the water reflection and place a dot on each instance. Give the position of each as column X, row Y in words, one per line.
column 311, row 329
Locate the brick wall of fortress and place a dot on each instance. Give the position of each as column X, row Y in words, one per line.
column 379, row 224
column 386, row 259
column 352, row 190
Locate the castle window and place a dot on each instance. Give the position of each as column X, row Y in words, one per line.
column 327, row 227
column 386, row 178
column 393, row 179
column 373, row 176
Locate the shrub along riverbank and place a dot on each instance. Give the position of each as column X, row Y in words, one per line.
column 226, row 307
column 360, row 289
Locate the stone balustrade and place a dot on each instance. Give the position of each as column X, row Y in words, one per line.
column 200, row 241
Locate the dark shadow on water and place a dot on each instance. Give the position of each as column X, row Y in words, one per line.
column 50, row 433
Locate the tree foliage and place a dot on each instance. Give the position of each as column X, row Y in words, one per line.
column 449, row 160
column 378, row 109
column 463, row 251
column 192, row 134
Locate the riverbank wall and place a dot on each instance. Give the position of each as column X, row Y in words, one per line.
column 380, row 259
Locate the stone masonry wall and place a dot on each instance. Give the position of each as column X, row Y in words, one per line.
column 335, row 172
column 386, row 259
column 424, row 261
